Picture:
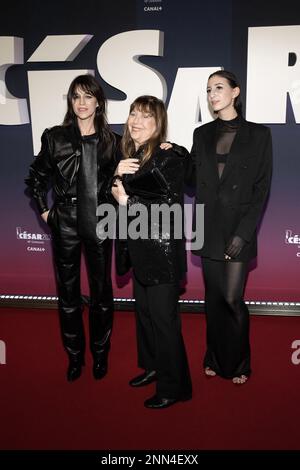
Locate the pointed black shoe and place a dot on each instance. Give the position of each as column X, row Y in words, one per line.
column 158, row 403
column 100, row 365
column 146, row 378
column 99, row 369
column 74, row 370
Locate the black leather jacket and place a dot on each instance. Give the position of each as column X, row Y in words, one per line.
column 58, row 161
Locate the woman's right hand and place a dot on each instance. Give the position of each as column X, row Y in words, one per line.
column 119, row 193
column 44, row 216
column 127, row 166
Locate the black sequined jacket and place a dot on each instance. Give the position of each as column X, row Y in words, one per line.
column 58, row 161
column 158, row 255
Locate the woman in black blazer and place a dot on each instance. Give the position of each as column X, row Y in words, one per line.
column 158, row 256
column 232, row 163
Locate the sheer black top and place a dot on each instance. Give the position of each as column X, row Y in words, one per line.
column 226, row 132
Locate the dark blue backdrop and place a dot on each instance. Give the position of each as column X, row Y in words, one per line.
column 196, row 34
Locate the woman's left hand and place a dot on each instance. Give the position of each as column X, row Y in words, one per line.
column 166, row 145
column 234, row 247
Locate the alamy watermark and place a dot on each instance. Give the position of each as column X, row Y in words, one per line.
column 153, row 221
column 295, row 358
column 2, row 352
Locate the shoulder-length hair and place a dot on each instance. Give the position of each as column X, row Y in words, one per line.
column 156, row 107
column 233, row 82
column 89, row 84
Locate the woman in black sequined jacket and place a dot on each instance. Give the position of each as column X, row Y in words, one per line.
column 149, row 180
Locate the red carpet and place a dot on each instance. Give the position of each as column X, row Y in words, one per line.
column 39, row 409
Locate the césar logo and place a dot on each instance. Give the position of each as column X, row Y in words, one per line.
column 24, row 235
column 291, row 239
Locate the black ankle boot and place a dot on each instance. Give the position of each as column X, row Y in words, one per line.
column 74, row 369
column 100, row 365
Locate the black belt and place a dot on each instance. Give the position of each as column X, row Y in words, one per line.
column 67, row 200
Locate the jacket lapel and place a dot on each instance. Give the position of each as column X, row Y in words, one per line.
column 210, row 150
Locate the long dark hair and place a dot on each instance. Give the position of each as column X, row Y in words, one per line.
column 147, row 104
column 233, row 82
column 89, row 84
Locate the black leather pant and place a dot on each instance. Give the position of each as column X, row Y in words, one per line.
column 67, row 248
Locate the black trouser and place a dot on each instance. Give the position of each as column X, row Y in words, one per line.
column 67, row 247
column 227, row 318
column 159, row 340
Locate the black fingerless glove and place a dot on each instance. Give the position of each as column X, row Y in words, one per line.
column 235, row 246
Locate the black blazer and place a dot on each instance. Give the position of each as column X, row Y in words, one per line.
column 233, row 203
column 159, row 181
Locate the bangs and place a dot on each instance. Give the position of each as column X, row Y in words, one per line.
column 84, row 87
column 143, row 107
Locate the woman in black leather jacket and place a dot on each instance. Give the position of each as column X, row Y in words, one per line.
column 78, row 159
column 148, row 180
